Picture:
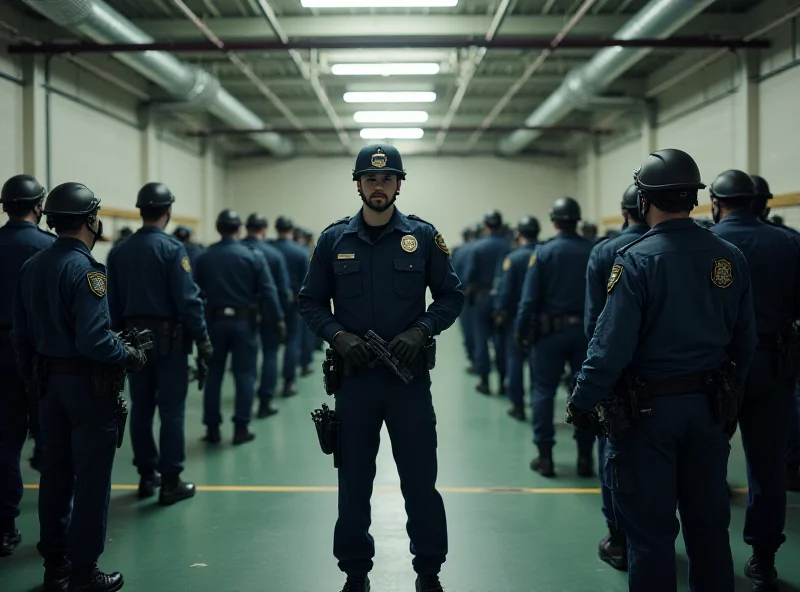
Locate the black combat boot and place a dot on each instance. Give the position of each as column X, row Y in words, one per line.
column 585, row 465
column 613, row 549
column 543, row 464
column 356, row 584
column 56, row 575
column 148, row 485
column 517, row 411
column 94, row 580
column 483, row 385
column 212, row 434
column 175, row 490
column 266, row 410
column 502, row 387
column 428, row 584
column 241, row 434
column 306, row 371
column 10, row 537
column 289, row 389
column 761, row 571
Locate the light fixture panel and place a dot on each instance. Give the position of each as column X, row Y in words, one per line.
column 386, row 69
column 396, row 133
column 390, row 116
column 389, row 97
column 379, row 3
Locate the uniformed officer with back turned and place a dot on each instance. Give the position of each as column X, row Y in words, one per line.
column 550, row 321
column 193, row 250
column 675, row 341
column 376, row 267
column 271, row 335
column 774, row 261
column 509, row 292
column 613, row 547
column 69, row 358
column 151, row 286
column 20, row 239
column 240, row 296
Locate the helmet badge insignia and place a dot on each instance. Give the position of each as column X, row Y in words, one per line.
column 378, row 159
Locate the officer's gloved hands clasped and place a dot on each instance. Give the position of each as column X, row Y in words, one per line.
column 205, row 350
column 135, row 360
column 352, row 348
column 280, row 330
column 406, row 346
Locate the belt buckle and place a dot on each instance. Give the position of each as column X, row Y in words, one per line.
column 228, row 312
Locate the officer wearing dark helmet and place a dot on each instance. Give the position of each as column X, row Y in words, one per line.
column 676, row 336
column 151, row 286
column 20, row 239
column 774, row 260
column 240, row 297
column 377, row 267
column 193, row 250
column 550, row 320
column 64, row 345
column 271, row 335
column 297, row 265
column 482, row 263
column 613, row 547
column 509, row 292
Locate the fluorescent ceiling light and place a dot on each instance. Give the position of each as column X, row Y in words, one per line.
column 391, row 116
column 387, row 133
column 389, row 97
column 379, row 3
column 408, row 69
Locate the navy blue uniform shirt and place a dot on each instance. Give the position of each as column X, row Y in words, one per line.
column 19, row 241
column 193, row 250
column 601, row 260
column 277, row 266
column 511, row 277
column 61, row 309
column 231, row 274
column 773, row 258
column 150, row 275
column 555, row 281
column 380, row 286
column 296, row 262
column 483, row 260
column 679, row 302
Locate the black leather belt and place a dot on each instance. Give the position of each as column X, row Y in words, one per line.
column 685, row 385
column 229, row 312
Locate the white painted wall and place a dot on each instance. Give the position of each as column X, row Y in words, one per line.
column 451, row 193
column 10, row 119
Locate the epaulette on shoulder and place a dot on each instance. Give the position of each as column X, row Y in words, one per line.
column 418, row 219
column 344, row 220
column 621, row 250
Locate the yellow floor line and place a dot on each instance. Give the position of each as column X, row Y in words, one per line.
column 382, row 489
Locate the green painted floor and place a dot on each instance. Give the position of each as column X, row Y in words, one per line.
column 263, row 518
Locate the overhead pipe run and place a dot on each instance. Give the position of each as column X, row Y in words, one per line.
column 101, row 23
column 659, row 18
column 510, row 43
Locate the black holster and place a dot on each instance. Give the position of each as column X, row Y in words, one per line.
column 332, row 369
column 168, row 334
column 120, row 419
column 328, row 432
column 727, row 398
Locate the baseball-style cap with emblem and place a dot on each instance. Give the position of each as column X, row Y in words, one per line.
column 378, row 158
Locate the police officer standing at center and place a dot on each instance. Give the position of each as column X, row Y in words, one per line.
column 613, row 548
column 240, row 295
column 65, row 346
column 151, row 287
column 20, row 239
column 376, row 267
column 679, row 309
column 774, row 261
column 550, row 318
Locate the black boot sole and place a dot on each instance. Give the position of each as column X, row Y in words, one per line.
column 620, row 564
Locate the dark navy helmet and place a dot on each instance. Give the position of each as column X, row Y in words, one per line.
column 378, row 158
column 283, row 224
column 733, row 184
column 566, row 209
column 493, row 219
column 528, row 226
column 71, row 199
column 228, row 222
column 154, row 195
column 762, row 187
column 182, row 233
column 668, row 170
column 256, row 221
column 630, row 199
column 22, row 188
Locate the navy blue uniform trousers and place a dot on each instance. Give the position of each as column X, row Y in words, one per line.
column 269, row 364
column 80, row 440
column 793, row 447
column 13, row 432
column 484, row 332
column 294, row 344
column 550, row 354
column 678, row 457
column 764, row 422
column 163, row 383
column 237, row 337
column 363, row 403
column 516, row 360
column 467, row 319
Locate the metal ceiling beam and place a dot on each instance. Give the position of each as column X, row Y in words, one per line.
column 564, row 129
column 407, row 82
column 388, row 43
column 241, row 29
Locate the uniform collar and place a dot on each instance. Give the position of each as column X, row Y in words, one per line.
column 676, row 224
column 21, row 224
column 151, row 230
column 740, row 217
column 67, row 242
column 638, row 228
column 398, row 221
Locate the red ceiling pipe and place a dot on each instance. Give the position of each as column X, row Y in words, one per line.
column 563, row 129
column 388, row 43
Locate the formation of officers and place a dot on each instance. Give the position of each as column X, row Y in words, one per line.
column 67, row 344
column 675, row 336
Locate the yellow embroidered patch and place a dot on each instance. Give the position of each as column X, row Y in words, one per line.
column 616, row 273
column 506, row 264
column 187, row 267
column 439, row 240
column 532, row 260
column 97, row 283
column 722, row 273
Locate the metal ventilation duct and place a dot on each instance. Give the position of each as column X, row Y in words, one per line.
column 659, row 19
column 102, row 24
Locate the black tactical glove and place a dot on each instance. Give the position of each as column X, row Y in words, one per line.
column 135, row 360
column 406, row 346
column 583, row 420
column 352, row 348
column 280, row 329
column 205, row 350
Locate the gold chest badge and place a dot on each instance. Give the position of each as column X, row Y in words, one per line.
column 409, row 243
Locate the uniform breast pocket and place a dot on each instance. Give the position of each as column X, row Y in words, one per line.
column 348, row 278
column 409, row 277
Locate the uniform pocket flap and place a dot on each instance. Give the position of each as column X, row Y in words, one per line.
column 409, row 264
column 346, row 267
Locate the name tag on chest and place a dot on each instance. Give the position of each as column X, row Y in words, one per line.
column 346, row 256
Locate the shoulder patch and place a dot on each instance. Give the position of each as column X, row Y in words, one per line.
column 311, row 256
column 506, row 264
column 187, row 266
column 613, row 278
column 344, row 220
column 722, row 273
column 532, row 260
column 439, row 240
column 97, row 283
column 418, row 219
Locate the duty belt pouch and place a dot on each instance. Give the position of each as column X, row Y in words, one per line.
column 331, row 372
column 180, row 341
